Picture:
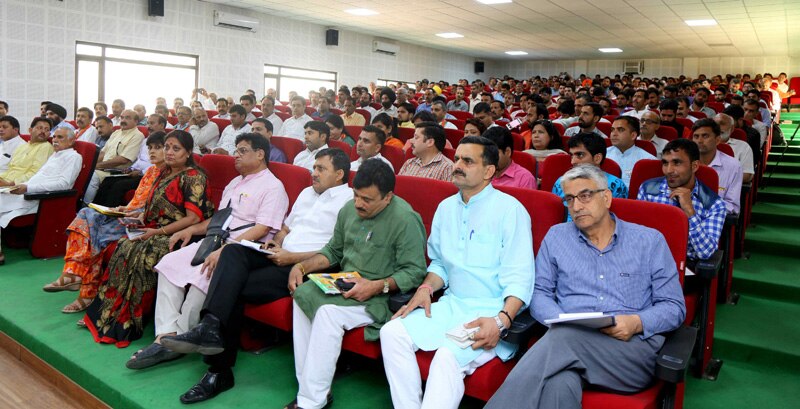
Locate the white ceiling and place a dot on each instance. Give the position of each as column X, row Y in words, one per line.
column 563, row 29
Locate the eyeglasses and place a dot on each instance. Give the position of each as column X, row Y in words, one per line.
column 584, row 196
column 649, row 121
column 243, row 151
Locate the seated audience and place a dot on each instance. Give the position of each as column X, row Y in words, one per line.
column 622, row 357
column 566, row 112
column 405, row 114
column 624, row 151
column 751, row 113
column 248, row 102
column 474, row 127
column 705, row 133
column 387, row 98
column 259, row 204
column 545, row 140
column 316, row 139
column 323, row 109
column 58, row 173
column 295, row 125
column 91, row 232
column 683, row 109
column 590, row 114
column 268, row 111
column 227, row 141
column 638, row 104
column 9, row 134
column 428, row 161
column 338, row 131
column 389, row 258
column 85, row 132
column 741, row 150
column 264, row 128
column 498, row 111
column 439, row 112
column 204, row 132
column 388, row 125
column 668, row 112
column 699, row 102
column 184, row 115
column 246, row 276
column 57, row 115
column 648, row 125
column 30, row 156
column 350, row 116
column 680, row 187
column 126, row 294
column 141, row 113
column 222, row 109
column 100, row 109
column 483, row 113
column 119, row 153
column 369, row 145
column 507, row 172
column 487, row 280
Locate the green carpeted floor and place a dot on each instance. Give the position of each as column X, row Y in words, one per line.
column 758, row 339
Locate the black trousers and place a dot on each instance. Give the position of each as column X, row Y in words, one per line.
column 112, row 190
column 243, row 276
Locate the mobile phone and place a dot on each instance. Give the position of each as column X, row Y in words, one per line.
column 131, row 221
column 514, row 124
column 344, row 286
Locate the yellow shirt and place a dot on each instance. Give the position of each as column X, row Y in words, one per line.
column 408, row 124
column 126, row 143
column 26, row 161
column 354, row 120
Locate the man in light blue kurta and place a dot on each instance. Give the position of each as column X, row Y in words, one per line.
column 481, row 251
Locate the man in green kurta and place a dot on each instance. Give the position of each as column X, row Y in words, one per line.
column 381, row 237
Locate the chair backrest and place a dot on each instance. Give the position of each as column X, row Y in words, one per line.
column 605, row 128
column 290, row 146
column 667, row 132
column 282, row 108
column 739, row 134
column 560, row 129
column 686, row 122
column 294, row 179
column 424, row 195
column 462, row 115
column 454, row 136
column 257, row 114
column 648, row 146
column 545, row 209
column 459, row 123
column 144, row 131
column 697, row 114
column 310, row 110
column 354, row 131
column 344, row 146
column 554, row 166
column 220, row 170
column 405, row 134
column 395, row 155
column 282, row 115
column 172, row 120
column 367, row 116
column 611, row 167
column 337, row 111
column 716, row 106
column 726, row 149
column 211, row 113
column 223, row 123
column 519, row 141
column 669, row 220
column 526, row 161
column 89, row 153
column 647, row 169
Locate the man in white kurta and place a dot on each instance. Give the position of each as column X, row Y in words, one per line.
column 481, row 250
column 58, row 173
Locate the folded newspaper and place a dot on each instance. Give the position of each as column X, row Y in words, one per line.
column 587, row 319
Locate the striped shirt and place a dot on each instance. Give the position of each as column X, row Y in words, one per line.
column 634, row 274
column 440, row 168
column 705, row 227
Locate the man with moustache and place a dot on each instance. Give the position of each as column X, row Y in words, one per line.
column 316, row 139
column 85, row 132
column 119, row 153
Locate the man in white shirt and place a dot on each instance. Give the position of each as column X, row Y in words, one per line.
column 624, row 131
column 387, row 103
column 58, row 173
column 248, row 102
column 204, row 132
column 116, row 110
column 741, row 150
column 268, row 112
column 638, row 104
column 369, row 146
column 316, row 139
column 590, row 114
column 751, row 109
column 222, row 109
column 227, row 141
column 294, row 126
column 85, row 132
column 439, row 113
column 9, row 133
column 649, row 124
column 364, row 101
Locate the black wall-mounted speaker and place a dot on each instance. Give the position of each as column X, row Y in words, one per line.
column 155, row 8
column 478, row 67
column 332, row 37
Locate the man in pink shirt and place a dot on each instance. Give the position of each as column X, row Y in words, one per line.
column 508, row 172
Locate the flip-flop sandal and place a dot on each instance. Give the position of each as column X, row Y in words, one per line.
column 150, row 355
column 61, row 284
column 77, row 306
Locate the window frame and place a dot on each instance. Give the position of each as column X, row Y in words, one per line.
column 277, row 77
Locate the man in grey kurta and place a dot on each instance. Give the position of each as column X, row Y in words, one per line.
column 381, row 237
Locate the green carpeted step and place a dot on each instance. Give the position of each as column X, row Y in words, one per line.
column 773, row 239
column 784, row 167
column 779, row 194
column 787, row 158
column 759, row 331
column 781, row 178
column 767, row 276
column 792, row 149
column 776, row 213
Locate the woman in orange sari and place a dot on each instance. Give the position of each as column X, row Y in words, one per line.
column 91, row 232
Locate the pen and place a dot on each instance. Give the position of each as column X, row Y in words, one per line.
column 369, row 236
column 471, row 233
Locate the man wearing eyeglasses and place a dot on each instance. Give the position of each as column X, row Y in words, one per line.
column 595, row 264
column 120, row 151
column 649, row 124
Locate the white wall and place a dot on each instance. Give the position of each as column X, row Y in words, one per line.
column 656, row 67
column 37, row 48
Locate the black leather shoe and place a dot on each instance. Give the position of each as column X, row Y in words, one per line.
column 205, row 338
column 211, row 385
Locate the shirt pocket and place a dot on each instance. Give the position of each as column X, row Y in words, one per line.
column 633, row 289
column 482, row 250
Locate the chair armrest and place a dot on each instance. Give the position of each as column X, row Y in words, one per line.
column 523, row 327
column 50, row 195
column 731, row 220
column 710, row 267
column 673, row 358
column 398, row 300
column 746, row 187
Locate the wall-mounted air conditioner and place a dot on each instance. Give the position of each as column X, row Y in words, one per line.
column 235, row 21
column 633, row 67
column 385, row 48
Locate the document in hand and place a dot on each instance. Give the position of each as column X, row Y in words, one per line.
column 133, row 232
column 587, row 319
column 105, row 210
column 327, row 282
column 462, row 336
column 252, row 245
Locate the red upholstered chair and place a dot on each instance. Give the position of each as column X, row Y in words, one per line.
column 449, row 154
column 559, row 129
column 344, row 146
column 462, row 115
column 697, row 114
column 687, row 125
column 527, row 161
column 143, row 130
column 605, row 128
column 56, row 211
column 257, row 114
column 405, row 134
column 367, row 116
column 290, row 146
column 220, row 170
column 611, row 167
column 667, row 132
column 739, row 134
column 725, row 148
column 394, row 155
column 282, row 115
column 610, row 118
column 794, row 84
column 554, row 166
column 519, row 141
column 376, row 106
column 278, row 313
column 354, row 131
column 454, row 136
column 222, row 124
column 310, row 110
column 336, row 111
column 282, row 108
column 211, row 113
column 173, row 120
column 716, row 106
column 459, row 123
column 647, row 146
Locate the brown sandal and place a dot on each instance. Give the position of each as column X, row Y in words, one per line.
column 77, row 306
column 61, row 284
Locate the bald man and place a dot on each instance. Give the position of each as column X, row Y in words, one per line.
column 120, row 151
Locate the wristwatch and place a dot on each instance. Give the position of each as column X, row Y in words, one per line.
column 501, row 327
column 386, row 286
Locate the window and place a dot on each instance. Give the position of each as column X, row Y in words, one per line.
column 385, row 83
column 300, row 80
column 105, row 73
